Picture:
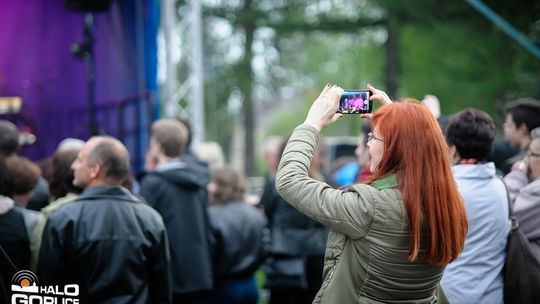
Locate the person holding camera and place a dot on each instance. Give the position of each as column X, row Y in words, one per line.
column 524, row 188
column 391, row 238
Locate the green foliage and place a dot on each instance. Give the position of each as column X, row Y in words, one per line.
column 350, row 61
column 444, row 61
column 446, row 48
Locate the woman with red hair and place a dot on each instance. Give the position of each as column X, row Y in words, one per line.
column 391, row 238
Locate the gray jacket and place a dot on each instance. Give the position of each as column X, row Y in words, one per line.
column 525, row 197
column 366, row 259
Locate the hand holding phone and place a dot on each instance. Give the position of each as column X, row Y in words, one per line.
column 355, row 102
column 323, row 110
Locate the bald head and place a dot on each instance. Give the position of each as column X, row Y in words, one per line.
column 112, row 155
column 103, row 160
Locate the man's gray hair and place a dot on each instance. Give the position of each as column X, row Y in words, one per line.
column 535, row 133
column 112, row 155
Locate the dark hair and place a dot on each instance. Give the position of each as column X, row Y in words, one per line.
column 525, row 111
column 230, row 184
column 9, row 138
column 45, row 165
column 23, row 175
column 3, row 178
column 171, row 135
column 62, row 174
column 110, row 153
column 282, row 145
column 472, row 132
column 365, row 129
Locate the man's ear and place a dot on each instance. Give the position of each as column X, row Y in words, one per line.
column 155, row 147
column 523, row 129
column 453, row 154
column 95, row 170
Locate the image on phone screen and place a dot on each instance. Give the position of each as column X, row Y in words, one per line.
column 355, row 102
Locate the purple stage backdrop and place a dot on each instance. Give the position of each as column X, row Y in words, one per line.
column 37, row 65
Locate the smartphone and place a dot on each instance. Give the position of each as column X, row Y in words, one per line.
column 355, row 102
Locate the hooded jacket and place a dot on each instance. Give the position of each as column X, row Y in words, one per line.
column 177, row 190
column 481, row 262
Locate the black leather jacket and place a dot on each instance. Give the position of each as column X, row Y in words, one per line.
column 293, row 233
column 238, row 247
column 110, row 243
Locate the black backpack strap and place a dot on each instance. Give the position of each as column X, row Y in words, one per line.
column 6, row 261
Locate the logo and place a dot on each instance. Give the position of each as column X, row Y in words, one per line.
column 25, row 281
column 26, row 290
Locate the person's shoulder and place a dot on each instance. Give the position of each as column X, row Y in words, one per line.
column 236, row 211
column 386, row 203
column 256, row 214
column 65, row 213
column 389, row 194
column 145, row 212
column 56, row 204
column 28, row 213
column 14, row 213
column 247, row 208
column 534, row 188
column 152, row 177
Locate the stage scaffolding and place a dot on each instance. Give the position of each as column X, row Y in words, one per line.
column 182, row 33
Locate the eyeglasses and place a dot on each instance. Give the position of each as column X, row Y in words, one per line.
column 532, row 154
column 371, row 137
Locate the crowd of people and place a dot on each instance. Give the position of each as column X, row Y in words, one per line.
column 421, row 215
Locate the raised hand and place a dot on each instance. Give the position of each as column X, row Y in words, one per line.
column 323, row 110
column 378, row 95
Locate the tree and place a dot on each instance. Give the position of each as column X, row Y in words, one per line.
column 285, row 18
column 432, row 46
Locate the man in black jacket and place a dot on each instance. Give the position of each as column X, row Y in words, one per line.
column 108, row 241
column 177, row 190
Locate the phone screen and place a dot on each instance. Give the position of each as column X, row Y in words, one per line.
column 355, row 102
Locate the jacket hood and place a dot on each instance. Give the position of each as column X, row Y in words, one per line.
column 187, row 174
column 6, row 204
column 474, row 171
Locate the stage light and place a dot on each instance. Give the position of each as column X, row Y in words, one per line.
column 10, row 104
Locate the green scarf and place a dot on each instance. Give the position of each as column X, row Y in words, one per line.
column 388, row 181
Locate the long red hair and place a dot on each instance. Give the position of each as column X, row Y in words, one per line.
column 415, row 149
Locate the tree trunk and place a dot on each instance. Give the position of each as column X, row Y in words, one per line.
column 392, row 68
column 246, row 86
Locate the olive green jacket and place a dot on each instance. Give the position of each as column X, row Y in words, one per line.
column 37, row 233
column 366, row 258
